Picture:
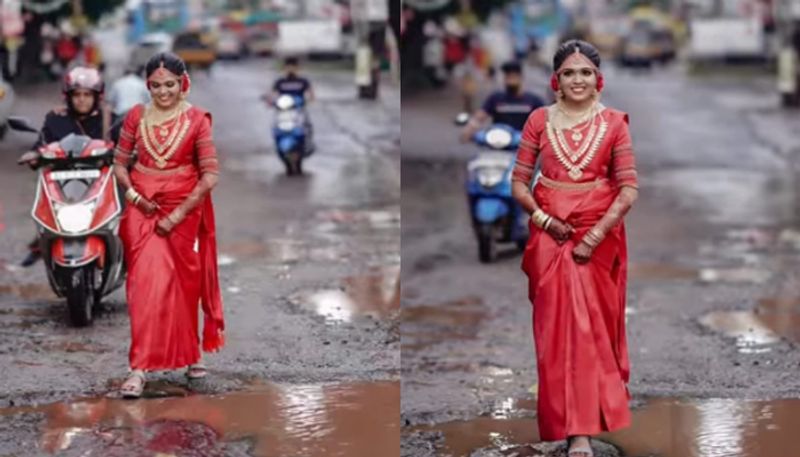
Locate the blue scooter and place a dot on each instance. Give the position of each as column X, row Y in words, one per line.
column 292, row 132
column 496, row 216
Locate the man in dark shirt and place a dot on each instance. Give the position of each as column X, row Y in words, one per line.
column 292, row 83
column 83, row 115
column 511, row 106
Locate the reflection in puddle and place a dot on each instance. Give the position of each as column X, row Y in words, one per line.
column 281, row 251
column 355, row 420
column 663, row 427
column 376, row 294
column 427, row 325
column 774, row 319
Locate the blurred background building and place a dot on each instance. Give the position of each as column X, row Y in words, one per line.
column 439, row 35
column 41, row 37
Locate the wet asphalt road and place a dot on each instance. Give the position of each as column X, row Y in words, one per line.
column 310, row 280
column 712, row 308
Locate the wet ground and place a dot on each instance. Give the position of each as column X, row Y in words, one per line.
column 713, row 293
column 309, row 271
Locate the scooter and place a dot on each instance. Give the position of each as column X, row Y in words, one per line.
column 77, row 211
column 292, row 132
column 496, row 216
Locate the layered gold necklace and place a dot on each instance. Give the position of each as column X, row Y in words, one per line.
column 575, row 160
column 154, row 124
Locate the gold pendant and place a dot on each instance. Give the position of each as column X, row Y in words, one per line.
column 575, row 174
column 577, row 136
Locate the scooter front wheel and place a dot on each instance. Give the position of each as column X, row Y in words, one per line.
column 80, row 293
column 487, row 245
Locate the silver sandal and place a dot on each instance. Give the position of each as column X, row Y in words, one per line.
column 196, row 371
column 133, row 387
column 581, row 451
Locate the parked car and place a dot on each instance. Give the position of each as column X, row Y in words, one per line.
column 647, row 46
column 261, row 42
column 195, row 49
column 148, row 46
column 230, row 46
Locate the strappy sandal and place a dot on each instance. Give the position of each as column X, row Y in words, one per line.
column 134, row 385
column 196, row 371
column 581, row 451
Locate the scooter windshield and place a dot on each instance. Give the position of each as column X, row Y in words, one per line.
column 73, row 144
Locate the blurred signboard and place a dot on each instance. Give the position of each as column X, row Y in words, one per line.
column 369, row 10
column 727, row 37
column 12, row 24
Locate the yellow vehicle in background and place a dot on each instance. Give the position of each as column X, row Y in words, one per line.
column 197, row 49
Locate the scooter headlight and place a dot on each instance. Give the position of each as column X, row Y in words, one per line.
column 285, row 102
column 75, row 218
column 490, row 177
column 498, row 138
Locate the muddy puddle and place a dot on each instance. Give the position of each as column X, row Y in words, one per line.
column 27, row 291
column 773, row 320
column 428, row 325
column 352, row 420
column 661, row 272
column 375, row 294
column 278, row 251
column 662, row 427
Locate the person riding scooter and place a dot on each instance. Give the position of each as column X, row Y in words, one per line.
column 84, row 114
column 511, row 106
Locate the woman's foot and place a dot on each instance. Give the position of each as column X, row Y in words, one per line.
column 579, row 446
column 134, row 385
column 197, row 371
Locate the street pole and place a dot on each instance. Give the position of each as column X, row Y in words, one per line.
column 789, row 36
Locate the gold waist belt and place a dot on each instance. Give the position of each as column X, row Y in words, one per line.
column 566, row 185
column 158, row 171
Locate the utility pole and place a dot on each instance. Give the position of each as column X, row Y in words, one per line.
column 788, row 15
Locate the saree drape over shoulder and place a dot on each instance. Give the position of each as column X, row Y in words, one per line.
column 170, row 277
column 578, row 310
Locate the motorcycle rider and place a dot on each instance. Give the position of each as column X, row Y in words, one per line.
column 84, row 114
column 294, row 84
column 511, row 106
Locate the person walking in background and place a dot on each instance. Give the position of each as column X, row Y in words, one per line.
column 127, row 92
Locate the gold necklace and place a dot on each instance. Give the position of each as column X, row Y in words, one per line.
column 575, row 171
column 161, row 153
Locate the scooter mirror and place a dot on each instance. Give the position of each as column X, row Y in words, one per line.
column 462, row 119
column 20, row 123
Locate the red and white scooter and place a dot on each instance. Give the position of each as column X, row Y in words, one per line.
column 77, row 211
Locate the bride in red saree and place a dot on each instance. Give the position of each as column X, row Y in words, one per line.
column 576, row 257
column 167, row 163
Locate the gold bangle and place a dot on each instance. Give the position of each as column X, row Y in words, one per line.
column 131, row 195
column 547, row 223
column 539, row 217
column 171, row 218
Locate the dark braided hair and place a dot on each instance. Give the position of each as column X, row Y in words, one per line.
column 568, row 48
column 171, row 62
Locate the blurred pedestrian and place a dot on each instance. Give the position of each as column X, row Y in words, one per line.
column 67, row 50
column 576, row 258
column 168, row 230
column 128, row 91
column 84, row 114
column 510, row 106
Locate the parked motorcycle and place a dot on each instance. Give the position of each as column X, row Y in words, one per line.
column 496, row 216
column 77, row 211
column 292, row 132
